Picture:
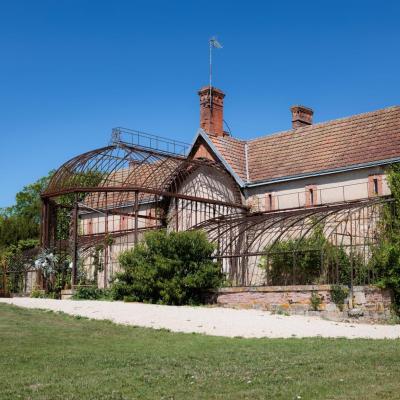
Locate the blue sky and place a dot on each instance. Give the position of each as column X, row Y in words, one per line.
column 72, row 70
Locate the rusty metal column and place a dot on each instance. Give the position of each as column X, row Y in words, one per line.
column 74, row 272
column 136, row 208
column 106, row 241
column 176, row 215
column 44, row 225
column 351, row 263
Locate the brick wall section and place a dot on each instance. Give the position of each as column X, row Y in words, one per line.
column 374, row 303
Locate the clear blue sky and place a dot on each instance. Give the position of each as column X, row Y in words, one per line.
column 72, row 70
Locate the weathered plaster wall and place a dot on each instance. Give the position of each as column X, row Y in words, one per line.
column 345, row 186
column 208, row 183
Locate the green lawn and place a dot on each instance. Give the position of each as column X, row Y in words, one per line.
column 44, row 355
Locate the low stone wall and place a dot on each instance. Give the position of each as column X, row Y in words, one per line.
column 366, row 302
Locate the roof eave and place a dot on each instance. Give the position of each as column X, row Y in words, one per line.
column 324, row 172
column 201, row 133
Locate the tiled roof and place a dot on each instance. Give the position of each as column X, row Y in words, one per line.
column 341, row 143
column 233, row 151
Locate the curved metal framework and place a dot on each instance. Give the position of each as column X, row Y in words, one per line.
column 101, row 202
column 106, row 198
column 338, row 239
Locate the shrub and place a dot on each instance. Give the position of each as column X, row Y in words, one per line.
column 339, row 295
column 38, row 294
column 91, row 293
column 315, row 301
column 308, row 260
column 168, row 268
column 386, row 254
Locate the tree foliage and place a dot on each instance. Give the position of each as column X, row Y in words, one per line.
column 386, row 256
column 168, row 268
column 22, row 220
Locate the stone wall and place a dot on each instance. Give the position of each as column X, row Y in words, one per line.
column 366, row 302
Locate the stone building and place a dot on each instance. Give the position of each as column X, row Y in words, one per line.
column 308, row 165
column 248, row 195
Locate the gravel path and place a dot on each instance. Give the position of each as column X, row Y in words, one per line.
column 211, row 321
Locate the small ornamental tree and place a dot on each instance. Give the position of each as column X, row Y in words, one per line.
column 168, row 268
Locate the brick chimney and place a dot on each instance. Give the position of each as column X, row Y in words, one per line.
column 211, row 112
column 301, row 116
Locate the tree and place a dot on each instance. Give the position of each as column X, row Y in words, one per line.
column 22, row 220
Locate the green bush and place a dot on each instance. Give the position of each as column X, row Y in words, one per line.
column 38, row 294
column 91, row 293
column 386, row 254
column 168, row 268
column 315, row 301
column 339, row 295
column 308, row 260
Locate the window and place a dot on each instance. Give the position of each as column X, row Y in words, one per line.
column 123, row 223
column 89, row 227
column 269, row 204
column 311, row 195
column 375, row 185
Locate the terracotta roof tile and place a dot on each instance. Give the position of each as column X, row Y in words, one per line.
column 233, row 151
column 345, row 142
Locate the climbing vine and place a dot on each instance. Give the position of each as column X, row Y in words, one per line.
column 386, row 255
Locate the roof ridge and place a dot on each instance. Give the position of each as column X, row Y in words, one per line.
column 332, row 121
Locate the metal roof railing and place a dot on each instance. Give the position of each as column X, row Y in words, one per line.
column 148, row 141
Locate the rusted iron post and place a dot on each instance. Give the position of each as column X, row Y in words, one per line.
column 74, row 272
column 106, row 241
column 176, row 215
column 44, row 226
column 136, row 209
column 351, row 263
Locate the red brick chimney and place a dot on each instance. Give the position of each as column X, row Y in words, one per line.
column 301, row 116
column 211, row 111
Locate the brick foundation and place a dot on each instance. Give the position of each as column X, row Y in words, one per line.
column 368, row 302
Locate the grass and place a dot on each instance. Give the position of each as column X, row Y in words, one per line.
column 44, row 355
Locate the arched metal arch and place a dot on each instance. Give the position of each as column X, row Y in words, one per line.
column 115, row 193
column 123, row 168
column 243, row 240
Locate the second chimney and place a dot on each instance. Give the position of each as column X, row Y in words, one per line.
column 301, row 116
column 212, row 110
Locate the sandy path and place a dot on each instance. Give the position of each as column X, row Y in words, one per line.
column 211, row 321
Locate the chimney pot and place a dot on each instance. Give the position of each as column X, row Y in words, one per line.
column 212, row 110
column 301, row 116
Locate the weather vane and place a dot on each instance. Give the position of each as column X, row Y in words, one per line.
column 213, row 43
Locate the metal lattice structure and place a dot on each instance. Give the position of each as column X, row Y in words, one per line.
column 109, row 196
column 100, row 203
column 337, row 239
